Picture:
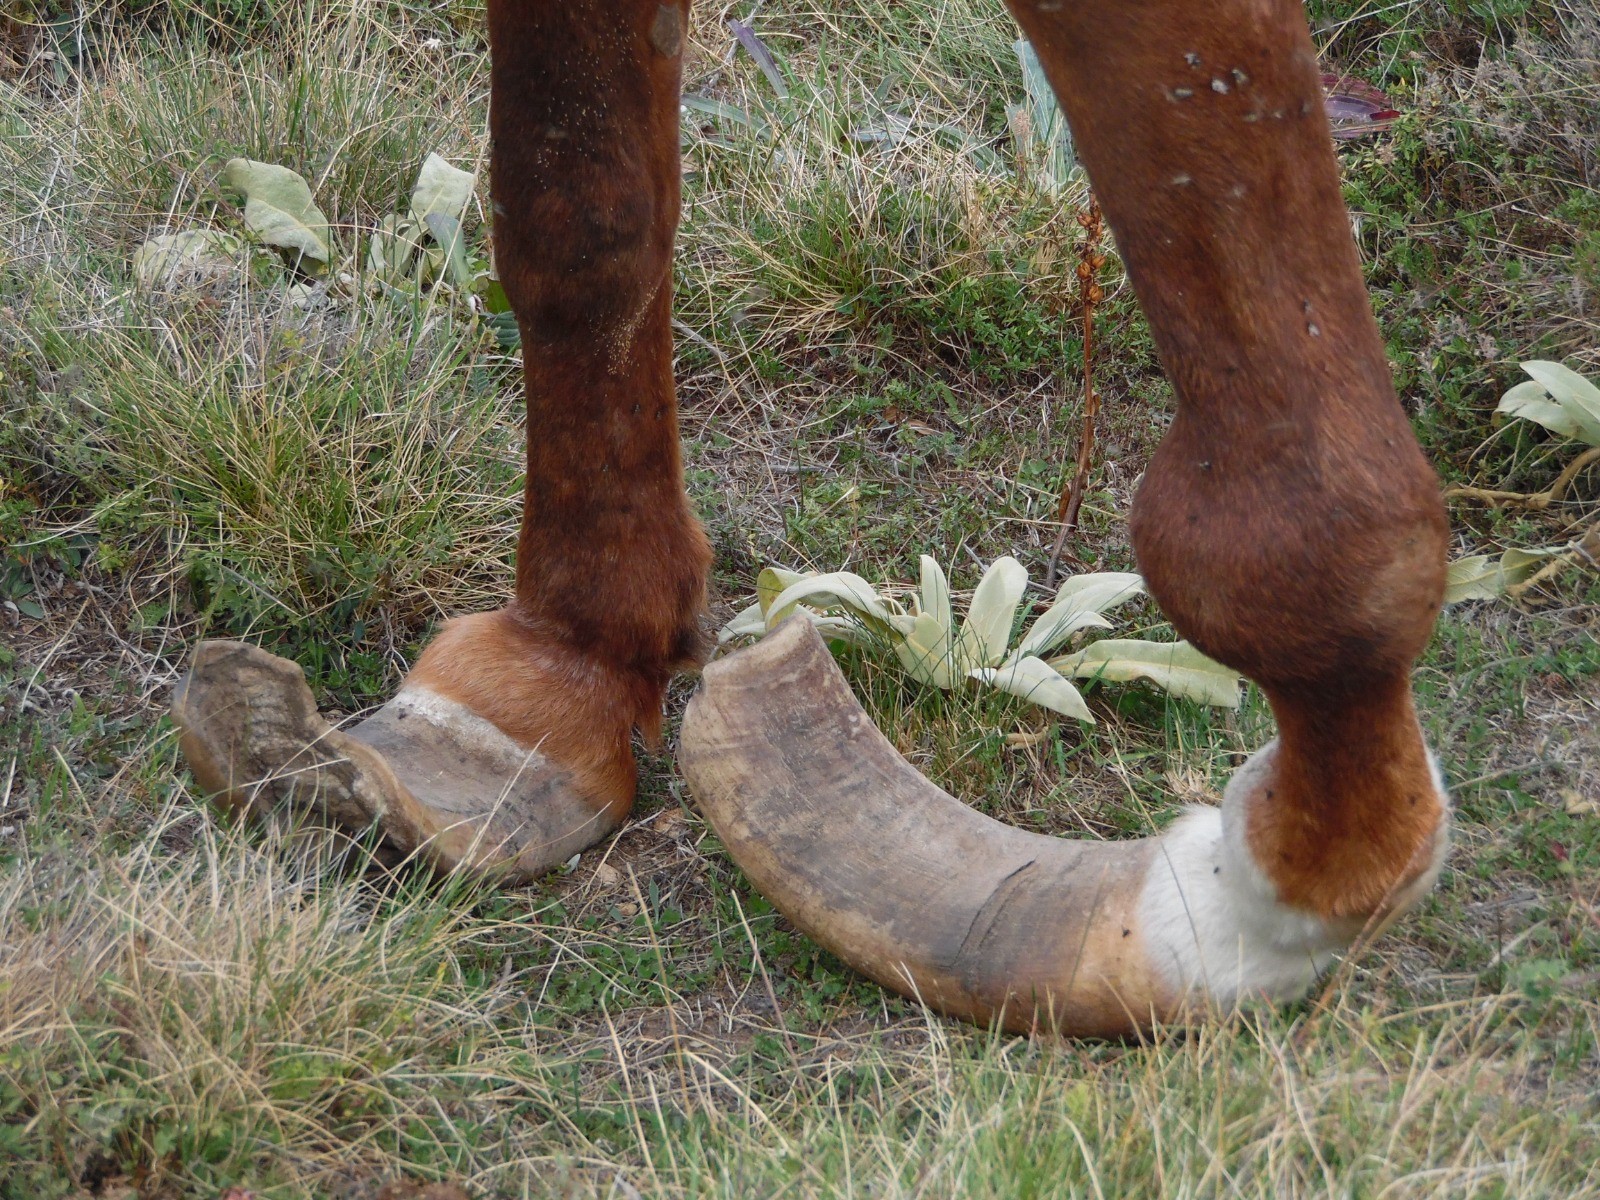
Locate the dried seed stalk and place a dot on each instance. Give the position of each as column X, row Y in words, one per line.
column 1090, row 260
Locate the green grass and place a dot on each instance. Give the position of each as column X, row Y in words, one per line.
column 878, row 358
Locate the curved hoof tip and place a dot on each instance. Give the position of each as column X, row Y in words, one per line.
column 436, row 780
column 250, row 729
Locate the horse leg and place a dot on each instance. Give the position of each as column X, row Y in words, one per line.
column 509, row 743
column 1288, row 524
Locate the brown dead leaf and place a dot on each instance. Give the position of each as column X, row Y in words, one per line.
column 405, row 1189
column 1023, row 739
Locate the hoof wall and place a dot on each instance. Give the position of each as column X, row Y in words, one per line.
column 433, row 779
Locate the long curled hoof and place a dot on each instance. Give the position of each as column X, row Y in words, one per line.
column 434, row 779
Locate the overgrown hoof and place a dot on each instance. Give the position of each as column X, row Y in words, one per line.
column 431, row 777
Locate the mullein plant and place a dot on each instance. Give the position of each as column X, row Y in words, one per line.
column 419, row 248
column 922, row 634
column 1568, row 405
column 1558, row 398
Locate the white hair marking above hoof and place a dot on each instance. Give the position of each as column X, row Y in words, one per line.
column 1212, row 919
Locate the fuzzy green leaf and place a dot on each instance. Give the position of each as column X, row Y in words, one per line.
column 441, row 188
column 934, row 597
column 1576, row 409
column 1481, row 577
column 1176, row 666
column 925, row 652
column 192, row 256
column 1530, row 402
column 278, row 209
column 446, row 230
column 930, row 643
column 1039, row 683
column 748, row 622
column 773, row 580
column 840, row 589
column 1078, row 605
column 987, row 631
column 394, row 247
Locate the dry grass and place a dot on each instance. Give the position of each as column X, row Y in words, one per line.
column 255, row 1016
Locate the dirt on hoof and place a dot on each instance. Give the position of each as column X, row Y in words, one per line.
column 432, row 778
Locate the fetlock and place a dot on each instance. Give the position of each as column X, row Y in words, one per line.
column 573, row 708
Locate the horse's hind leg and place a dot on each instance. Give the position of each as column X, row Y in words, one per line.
column 509, row 743
column 1288, row 524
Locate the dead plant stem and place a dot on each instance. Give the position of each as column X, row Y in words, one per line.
column 1090, row 260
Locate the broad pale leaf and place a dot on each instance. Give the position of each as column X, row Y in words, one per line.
column 1060, row 630
column 393, row 248
column 1578, row 398
column 934, row 597
column 773, row 580
column 1176, row 666
column 930, row 643
column 748, row 622
column 1078, row 605
column 1530, row 402
column 1039, row 683
column 1481, row 577
column 925, row 652
column 441, row 188
column 987, row 631
column 278, row 208
column 840, row 589
column 841, row 629
column 1523, row 563
column 187, row 259
column 1476, row 577
column 446, row 230
column 305, row 295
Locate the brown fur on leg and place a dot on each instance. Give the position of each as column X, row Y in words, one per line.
column 1288, row 524
column 611, row 564
column 575, row 710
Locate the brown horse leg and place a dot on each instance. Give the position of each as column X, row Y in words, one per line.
column 1288, row 524
column 611, row 563
column 509, row 743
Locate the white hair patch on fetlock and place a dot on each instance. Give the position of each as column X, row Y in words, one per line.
column 1212, row 921
column 1213, row 924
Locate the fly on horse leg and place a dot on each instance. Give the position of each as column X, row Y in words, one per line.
column 509, row 744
